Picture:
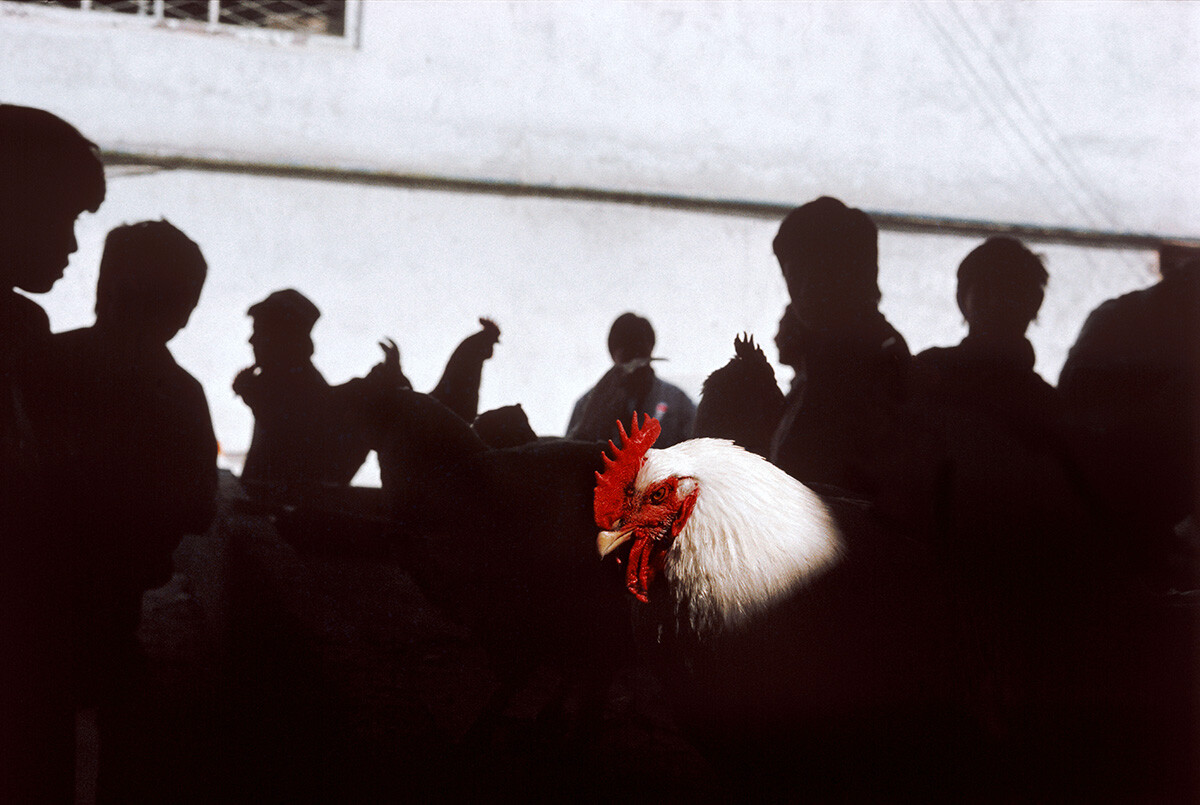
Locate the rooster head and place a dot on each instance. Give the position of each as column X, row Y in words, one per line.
column 729, row 533
column 647, row 513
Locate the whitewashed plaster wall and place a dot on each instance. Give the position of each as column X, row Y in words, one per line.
column 1074, row 113
column 883, row 104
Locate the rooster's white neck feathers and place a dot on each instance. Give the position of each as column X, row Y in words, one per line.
column 754, row 537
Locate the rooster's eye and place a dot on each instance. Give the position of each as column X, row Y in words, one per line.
column 658, row 496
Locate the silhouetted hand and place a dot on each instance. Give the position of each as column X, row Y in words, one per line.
column 391, row 355
column 245, row 379
column 387, row 371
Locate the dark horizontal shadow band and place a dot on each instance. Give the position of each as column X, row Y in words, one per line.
column 139, row 163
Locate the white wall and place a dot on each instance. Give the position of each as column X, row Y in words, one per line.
column 1082, row 114
column 1075, row 113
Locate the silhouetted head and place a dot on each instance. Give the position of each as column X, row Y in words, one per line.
column 829, row 255
column 150, row 280
column 1177, row 261
column 283, row 325
column 1001, row 285
column 504, row 427
column 49, row 174
column 630, row 338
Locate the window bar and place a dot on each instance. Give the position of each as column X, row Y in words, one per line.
column 214, row 14
column 85, row 5
column 351, row 22
column 159, row 9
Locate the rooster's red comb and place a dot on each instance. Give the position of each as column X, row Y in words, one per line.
column 614, row 484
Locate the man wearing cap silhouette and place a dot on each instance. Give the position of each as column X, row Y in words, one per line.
column 853, row 364
column 302, row 437
column 631, row 385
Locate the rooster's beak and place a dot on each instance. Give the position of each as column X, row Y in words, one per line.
column 608, row 541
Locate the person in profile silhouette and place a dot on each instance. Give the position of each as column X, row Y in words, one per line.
column 855, row 365
column 790, row 338
column 1001, row 286
column 144, row 451
column 303, row 438
column 49, row 175
column 143, row 433
column 631, row 385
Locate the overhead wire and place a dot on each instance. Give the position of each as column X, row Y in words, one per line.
column 1039, row 119
column 1013, row 133
column 1087, row 195
column 961, row 68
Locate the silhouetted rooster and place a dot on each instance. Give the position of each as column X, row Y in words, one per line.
column 458, row 388
column 502, row 538
column 741, row 401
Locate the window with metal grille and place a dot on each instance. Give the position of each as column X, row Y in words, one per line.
column 329, row 17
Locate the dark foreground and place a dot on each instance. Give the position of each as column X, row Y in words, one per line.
column 315, row 670
column 285, row 675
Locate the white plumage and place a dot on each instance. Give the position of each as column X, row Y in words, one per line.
column 755, row 536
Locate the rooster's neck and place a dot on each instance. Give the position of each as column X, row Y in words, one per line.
column 755, row 536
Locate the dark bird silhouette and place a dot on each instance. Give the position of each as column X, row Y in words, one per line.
column 501, row 538
column 507, row 426
column 741, row 401
column 458, row 388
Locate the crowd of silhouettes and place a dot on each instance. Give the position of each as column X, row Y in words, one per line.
column 1074, row 504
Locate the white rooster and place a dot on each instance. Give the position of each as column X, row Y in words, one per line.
column 800, row 643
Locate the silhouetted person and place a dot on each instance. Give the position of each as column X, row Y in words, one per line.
column 1005, row 506
column 1130, row 382
column 144, row 450
column 305, row 433
column 631, row 385
column 49, row 174
column 1001, row 285
column 986, row 382
column 458, row 388
column 855, row 363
